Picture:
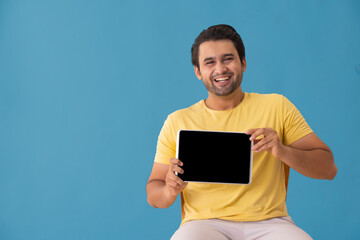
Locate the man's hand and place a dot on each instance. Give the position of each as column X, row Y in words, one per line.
column 174, row 185
column 308, row 155
column 164, row 185
column 269, row 142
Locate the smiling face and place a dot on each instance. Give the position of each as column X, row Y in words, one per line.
column 220, row 67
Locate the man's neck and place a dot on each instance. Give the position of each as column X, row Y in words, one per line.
column 222, row 103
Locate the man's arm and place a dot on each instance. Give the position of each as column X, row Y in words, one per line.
column 309, row 155
column 164, row 185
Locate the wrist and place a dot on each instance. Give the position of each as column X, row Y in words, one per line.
column 282, row 151
column 285, row 155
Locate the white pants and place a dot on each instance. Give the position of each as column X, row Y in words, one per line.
column 281, row 228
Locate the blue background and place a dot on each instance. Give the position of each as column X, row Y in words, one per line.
column 85, row 87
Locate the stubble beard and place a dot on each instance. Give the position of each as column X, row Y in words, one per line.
column 223, row 91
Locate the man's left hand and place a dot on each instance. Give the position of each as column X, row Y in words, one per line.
column 270, row 141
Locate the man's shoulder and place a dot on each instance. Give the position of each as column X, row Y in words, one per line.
column 270, row 98
column 186, row 111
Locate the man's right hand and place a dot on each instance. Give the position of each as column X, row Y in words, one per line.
column 164, row 185
column 174, row 184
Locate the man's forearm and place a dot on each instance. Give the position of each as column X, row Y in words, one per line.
column 316, row 163
column 157, row 195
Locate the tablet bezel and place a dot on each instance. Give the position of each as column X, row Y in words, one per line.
column 251, row 155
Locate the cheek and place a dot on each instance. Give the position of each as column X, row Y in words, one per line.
column 206, row 73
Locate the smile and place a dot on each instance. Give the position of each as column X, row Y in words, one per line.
column 222, row 79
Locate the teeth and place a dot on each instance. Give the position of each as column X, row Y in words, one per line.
column 222, row 79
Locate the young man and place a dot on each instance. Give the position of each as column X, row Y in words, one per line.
column 282, row 138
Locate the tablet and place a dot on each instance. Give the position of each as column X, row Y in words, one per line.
column 214, row 156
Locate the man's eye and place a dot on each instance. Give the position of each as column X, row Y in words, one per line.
column 210, row 62
column 227, row 59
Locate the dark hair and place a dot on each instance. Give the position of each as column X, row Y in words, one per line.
column 217, row 32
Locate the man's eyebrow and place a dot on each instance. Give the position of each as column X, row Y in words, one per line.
column 209, row 58
column 228, row 55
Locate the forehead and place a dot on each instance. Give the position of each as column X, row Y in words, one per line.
column 216, row 49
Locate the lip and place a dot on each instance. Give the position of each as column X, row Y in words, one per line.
column 222, row 83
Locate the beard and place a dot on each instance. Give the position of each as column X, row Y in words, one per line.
column 223, row 90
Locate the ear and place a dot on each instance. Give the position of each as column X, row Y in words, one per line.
column 243, row 65
column 197, row 72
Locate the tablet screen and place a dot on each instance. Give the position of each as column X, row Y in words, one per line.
column 215, row 157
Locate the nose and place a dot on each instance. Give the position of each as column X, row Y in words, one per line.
column 220, row 68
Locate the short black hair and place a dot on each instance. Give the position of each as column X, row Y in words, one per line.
column 217, row 32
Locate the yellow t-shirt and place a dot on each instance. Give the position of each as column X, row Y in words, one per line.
column 265, row 196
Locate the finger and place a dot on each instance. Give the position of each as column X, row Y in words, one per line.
column 258, row 132
column 250, row 131
column 256, row 141
column 173, row 184
column 265, row 147
column 263, row 144
column 176, row 168
column 262, row 141
column 171, row 175
column 176, row 162
column 174, row 180
column 174, row 165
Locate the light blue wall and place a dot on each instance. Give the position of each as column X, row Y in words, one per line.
column 86, row 85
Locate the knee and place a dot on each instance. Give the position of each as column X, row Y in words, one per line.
column 197, row 230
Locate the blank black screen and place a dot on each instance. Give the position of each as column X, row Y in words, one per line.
column 219, row 157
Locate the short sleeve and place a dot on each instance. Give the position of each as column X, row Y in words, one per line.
column 295, row 126
column 166, row 145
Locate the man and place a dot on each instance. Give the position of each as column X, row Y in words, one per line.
column 281, row 138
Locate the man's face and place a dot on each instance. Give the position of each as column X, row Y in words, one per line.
column 220, row 67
